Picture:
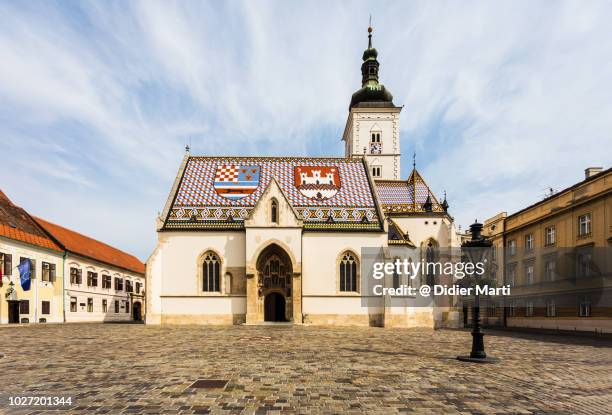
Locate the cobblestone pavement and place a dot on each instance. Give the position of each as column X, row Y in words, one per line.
column 136, row 369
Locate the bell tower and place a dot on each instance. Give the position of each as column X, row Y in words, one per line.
column 372, row 127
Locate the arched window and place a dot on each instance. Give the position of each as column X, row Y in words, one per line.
column 396, row 276
column 211, row 268
column 348, row 272
column 274, row 211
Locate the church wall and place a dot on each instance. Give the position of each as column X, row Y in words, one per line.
column 421, row 228
column 178, row 298
column 323, row 303
column 181, row 252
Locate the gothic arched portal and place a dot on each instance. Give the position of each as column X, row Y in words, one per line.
column 274, row 283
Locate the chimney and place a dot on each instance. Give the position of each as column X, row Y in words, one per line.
column 592, row 171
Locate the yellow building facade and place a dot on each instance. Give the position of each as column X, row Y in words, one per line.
column 557, row 259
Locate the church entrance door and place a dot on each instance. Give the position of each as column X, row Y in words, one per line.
column 274, row 285
column 274, row 307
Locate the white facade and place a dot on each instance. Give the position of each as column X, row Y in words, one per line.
column 44, row 299
column 86, row 302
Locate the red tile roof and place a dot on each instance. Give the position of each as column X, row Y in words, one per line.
column 91, row 248
column 16, row 224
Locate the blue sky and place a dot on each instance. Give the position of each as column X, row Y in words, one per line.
column 98, row 99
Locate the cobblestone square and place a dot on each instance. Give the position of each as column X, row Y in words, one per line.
column 115, row 368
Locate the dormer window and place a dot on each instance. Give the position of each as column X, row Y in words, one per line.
column 273, row 211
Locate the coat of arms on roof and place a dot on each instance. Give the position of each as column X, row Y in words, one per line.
column 317, row 182
column 235, row 181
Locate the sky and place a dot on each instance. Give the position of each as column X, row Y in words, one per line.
column 502, row 100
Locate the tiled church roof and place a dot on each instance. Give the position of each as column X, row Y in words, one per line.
column 16, row 224
column 339, row 187
column 407, row 196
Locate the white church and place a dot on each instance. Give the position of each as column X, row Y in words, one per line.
column 249, row 240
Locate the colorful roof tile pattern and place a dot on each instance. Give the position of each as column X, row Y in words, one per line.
column 16, row 224
column 315, row 187
column 410, row 196
column 91, row 248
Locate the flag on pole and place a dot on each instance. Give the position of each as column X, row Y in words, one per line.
column 25, row 272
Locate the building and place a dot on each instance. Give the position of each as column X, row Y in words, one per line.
column 558, row 259
column 102, row 283
column 256, row 239
column 21, row 239
column 492, row 308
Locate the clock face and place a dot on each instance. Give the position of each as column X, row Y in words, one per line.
column 375, row 148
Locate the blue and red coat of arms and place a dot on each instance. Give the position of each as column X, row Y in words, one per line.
column 235, row 181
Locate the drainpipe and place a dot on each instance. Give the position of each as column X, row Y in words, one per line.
column 64, row 286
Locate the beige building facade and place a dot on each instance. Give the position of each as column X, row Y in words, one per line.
column 558, row 261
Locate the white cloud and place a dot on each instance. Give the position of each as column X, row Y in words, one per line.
column 97, row 99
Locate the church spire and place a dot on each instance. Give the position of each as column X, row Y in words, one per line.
column 372, row 93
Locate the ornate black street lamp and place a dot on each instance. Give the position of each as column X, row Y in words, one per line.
column 476, row 250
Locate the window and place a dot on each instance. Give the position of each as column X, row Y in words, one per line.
column 512, row 309
column 529, row 309
column 211, row 273
column 129, row 288
column 92, row 279
column 585, row 307
column 550, row 267
column 106, row 281
column 138, row 287
column 375, row 137
column 24, row 307
column 274, row 211
column 90, row 305
column 550, row 308
column 584, row 260
column 76, row 276
column 529, row 242
column 118, row 284
column 46, row 307
column 511, row 276
column 396, row 279
column 492, row 310
column 348, row 273
column 116, row 306
column 376, row 171
column 48, row 272
column 512, row 247
column 104, row 306
column 6, row 264
column 529, row 274
column 73, row 304
column 493, row 253
column 127, row 306
column 584, row 225
column 549, row 236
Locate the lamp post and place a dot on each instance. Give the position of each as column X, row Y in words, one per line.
column 476, row 250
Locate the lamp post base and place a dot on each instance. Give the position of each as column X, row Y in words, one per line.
column 478, row 359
